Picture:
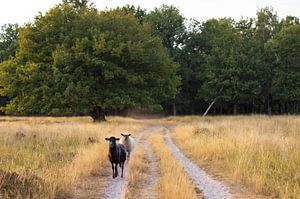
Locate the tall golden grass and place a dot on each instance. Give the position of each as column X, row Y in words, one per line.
column 261, row 152
column 138, row 170
column 173, row 180
column 55, row 149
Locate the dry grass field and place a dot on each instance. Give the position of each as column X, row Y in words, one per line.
column 173, row 180
column 259, row 152
column 138, row 169
column 44, row 157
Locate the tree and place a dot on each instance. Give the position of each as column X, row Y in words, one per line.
column 266, row 27
column 168, row 24
column 285, row 48
column 138, row 12
column 8, row 41
column 223, row 71
column 75, row 60
column 190, row 58
column 248, row 62
column 8, row 46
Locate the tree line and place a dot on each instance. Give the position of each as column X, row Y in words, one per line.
column 77, row 60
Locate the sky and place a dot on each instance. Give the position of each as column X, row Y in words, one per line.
column 23, row 11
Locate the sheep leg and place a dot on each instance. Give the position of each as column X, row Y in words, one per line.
column 112, row 166
column 122, row 169
column 116, row 170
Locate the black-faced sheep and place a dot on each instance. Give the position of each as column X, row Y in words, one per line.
column 116, row 155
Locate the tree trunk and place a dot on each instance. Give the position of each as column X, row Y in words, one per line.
column 174, row 109
column 285, row 108
column 253, row 106
column 215, row 111
column 98, row 114
column 269, row 105
column 212, row 103
column 235, row 109
column 281, row 108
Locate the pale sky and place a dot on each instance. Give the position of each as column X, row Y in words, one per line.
column 23, row 11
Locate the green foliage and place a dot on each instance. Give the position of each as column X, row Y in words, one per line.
column 138, row 12
column 190, row 58
column 222, row 69
column 267, row 24
column 167, row 23
column 285, row 48
column 77, row 60
column 74, row 59
column 8, row 41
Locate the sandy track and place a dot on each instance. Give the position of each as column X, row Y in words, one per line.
column 102, row 185
column 117, row 187
column 148, row 190
column 211, row 188
column 93, row 186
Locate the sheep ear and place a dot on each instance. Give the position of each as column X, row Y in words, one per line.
column 122, row 134
column 117, row 138
column 107, row 139
column 129, row 134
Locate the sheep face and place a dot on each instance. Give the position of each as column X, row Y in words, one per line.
column 126, row 136
column 112, row 141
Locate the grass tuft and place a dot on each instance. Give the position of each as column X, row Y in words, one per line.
column 138, row 170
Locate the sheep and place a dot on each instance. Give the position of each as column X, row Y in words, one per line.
column 128, row 142
column 116, row 155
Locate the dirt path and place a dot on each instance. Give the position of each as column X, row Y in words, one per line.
column 148, row 190
column 93, row 186
column 102, row 185
column 117, row 187
column 211, row 188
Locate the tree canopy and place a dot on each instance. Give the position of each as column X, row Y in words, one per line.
column 75, row 60
column 8, row 41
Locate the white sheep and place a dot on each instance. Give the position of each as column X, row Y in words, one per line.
column 128, row 142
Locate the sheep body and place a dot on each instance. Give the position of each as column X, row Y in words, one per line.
column 128, row 142
column 116, row 155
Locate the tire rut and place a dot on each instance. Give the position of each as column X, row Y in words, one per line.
column 117, row 187
column 148, row 190
column 92, row 186
column 211, row 188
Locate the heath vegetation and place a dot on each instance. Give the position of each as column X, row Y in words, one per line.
column 260, row 152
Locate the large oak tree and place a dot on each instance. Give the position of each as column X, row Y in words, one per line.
column 75, row 60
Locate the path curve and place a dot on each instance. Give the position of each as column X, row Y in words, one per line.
column 211, row 188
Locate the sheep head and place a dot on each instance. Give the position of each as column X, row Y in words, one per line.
column 126, row 136
column 112, row 141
